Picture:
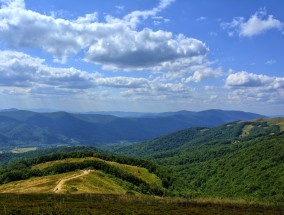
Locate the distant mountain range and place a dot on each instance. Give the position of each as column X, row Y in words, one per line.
column 21, row 128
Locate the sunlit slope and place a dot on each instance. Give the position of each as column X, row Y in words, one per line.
column 80, row 172
column 139, row 172
column 273, row 121
column 96, row 182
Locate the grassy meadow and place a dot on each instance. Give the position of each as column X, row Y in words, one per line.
column 56, row 204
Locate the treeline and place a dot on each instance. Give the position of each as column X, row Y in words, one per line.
column 8, row 157
column 23, row 169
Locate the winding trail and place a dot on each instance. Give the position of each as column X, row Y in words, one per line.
column 59, row 186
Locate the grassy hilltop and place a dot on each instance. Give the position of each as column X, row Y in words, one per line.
column 81, row 172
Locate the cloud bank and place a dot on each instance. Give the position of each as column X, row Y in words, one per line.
column 253, row 87
column 114, row 43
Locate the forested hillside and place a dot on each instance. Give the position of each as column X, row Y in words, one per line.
column 236, row 160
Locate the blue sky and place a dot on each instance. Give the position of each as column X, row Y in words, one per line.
column 142, row 55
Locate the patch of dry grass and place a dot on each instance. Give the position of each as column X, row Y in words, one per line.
column 273, row 121
column 44, row 184
column 277, row 121
column 246, row 130
column 140, row 172
column 96, row 182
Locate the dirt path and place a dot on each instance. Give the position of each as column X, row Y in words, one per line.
column 59, row 186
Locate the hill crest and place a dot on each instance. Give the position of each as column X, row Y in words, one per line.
column 81, row 172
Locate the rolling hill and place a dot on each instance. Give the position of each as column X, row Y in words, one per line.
column 242, row 159
column 81, row 172
column 19, row 128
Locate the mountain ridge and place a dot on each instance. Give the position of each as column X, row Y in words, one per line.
column 65, row 128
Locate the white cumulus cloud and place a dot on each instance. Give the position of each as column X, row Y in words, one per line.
column 257, row 24
column 245, row 79
column 202, row 72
